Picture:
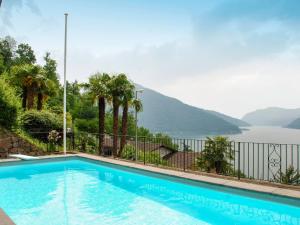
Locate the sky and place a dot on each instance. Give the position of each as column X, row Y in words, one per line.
column 232, row 56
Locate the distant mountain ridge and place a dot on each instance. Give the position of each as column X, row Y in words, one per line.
column 165, row 114
column 235, row 121
column 272, row 116
column 295, row 124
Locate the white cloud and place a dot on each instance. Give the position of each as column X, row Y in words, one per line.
column 239, row 89
column 233, row 58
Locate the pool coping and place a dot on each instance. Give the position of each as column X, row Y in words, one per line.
column 283, row 195
column 4, row 219
column 241, row 185
column 276, row 191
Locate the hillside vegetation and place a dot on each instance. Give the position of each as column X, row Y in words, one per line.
column 31, row 100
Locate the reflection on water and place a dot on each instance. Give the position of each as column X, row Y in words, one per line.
column 77, row 192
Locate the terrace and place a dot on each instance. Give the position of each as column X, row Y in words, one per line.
column 264, row 164
column 174, row 160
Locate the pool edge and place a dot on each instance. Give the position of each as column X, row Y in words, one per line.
column 260, row 191
column 5, row 219
column 272, row 192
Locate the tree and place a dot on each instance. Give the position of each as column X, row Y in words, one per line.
column 24, row 55
column 7, row 46
column 117, row 87
column 2, row 66
column 98, row 89
column 50, row 68
column 44, row 88
column 127, row 98
column 25, row 76
column 216, row 154
column 128, row 101
column 9, row 105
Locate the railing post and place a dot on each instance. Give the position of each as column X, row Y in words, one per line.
column 298, row 153
column 73, row 140
column 184, row 150
column 239, row 160
column 144, row 150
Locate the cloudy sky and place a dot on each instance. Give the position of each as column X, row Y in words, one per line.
column 233, row 56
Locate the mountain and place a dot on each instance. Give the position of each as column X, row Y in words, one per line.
column 234, row 121
column 295, row 124
column 165, row 114
column 272, row 116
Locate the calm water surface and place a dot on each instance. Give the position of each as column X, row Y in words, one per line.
column 268, row 134
column 262, row 134
column 82, row 193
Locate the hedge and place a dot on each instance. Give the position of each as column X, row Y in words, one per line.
column 39, row 123
column 9, row 105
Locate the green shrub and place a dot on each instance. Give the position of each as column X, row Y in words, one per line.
column 87, row 125
column 147, row 156
column 216, row 155
column 9, row 105
column 128, row 152
column 53, row 138
column 39, row 123
column 86, row 142
column 291, row 176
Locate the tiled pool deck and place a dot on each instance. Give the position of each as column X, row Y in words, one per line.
column 4, row 219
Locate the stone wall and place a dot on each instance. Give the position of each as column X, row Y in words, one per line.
column 11, row 143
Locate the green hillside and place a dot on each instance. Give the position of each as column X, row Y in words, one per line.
column 165, row 114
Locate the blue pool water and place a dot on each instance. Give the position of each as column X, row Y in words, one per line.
column 76, row 192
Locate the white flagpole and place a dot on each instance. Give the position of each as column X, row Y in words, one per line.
column 65, row 86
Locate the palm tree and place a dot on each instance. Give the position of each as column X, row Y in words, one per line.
column 25, row 77
column 117, row 88
column 98, row 89
column 138, row 106
column 44, row 88
column 127, row 99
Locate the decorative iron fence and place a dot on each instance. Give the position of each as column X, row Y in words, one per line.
column 258, row 161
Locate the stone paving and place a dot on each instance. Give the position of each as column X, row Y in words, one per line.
column 4, row 219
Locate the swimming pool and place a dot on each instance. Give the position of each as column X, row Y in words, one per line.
column 81, row 192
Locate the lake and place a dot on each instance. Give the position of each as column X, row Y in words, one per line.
column 261, row 134
column 268, row 134
column 258, row 158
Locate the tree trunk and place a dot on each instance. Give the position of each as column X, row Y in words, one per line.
column 218, row 166
column 24, row 97
column 101, row 106
column 115, row 125
column 30, row 99
column 124, row 127
column 40, row 101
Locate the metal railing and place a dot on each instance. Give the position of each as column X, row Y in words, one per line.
column 258, row 161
